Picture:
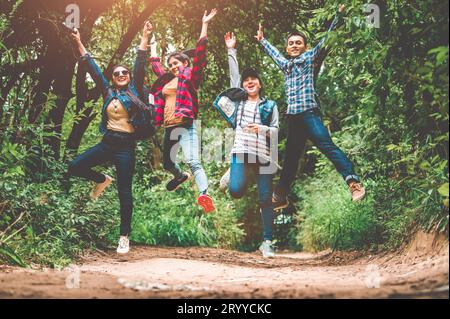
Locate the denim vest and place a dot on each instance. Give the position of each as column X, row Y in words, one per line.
column 109, row 93
column 227, row 103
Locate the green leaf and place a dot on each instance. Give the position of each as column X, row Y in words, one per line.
column 424, row 70
column 443, row 190
column 392, row 147
column 11, row 256
column 442, row 53
column 425, row 165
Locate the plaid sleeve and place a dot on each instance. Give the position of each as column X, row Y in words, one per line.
column 313, row 53
column 157, row 67
column 273, row 52
column 200, row 61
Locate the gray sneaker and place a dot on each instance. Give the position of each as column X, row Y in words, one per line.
column 266, row 249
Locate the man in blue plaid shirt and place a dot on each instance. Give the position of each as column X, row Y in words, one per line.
column 304, row 121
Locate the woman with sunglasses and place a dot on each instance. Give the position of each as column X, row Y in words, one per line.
column 255, row 149
column 117, row 126
column 176, row 102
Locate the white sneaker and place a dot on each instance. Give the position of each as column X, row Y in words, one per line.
column 124, row 245
column 100, row 188
column 224, row 181
column 266, row 249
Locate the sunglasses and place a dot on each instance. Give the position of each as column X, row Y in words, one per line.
column 121, row 72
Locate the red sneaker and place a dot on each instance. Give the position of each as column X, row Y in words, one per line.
column 206, row 202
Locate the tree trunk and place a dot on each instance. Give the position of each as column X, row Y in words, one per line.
column 63, row 91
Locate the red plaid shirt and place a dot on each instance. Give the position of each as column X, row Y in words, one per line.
column 189, row 79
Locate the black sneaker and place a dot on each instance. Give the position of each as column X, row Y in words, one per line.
column 175, row 183
column 279, row 202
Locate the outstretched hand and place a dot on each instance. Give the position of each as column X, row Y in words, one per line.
column 341, row 8
column 230, row 40
column 260, row 33
column 148, row 29
column 75, row 36
column 208, row 17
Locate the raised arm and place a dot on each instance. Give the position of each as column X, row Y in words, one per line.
column 273, row 52
column 155, row 61
column 235, row 78
column 76, row 38
column 315, row 51
column 141, row 57
column 153, row 47
column 205, row 21
column 91, row 65
column 199, row 63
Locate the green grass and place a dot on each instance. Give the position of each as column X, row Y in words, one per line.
column 327, row 218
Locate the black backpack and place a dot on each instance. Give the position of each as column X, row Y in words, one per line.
column 141, row 117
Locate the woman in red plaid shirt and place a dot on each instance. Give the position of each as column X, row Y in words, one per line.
column 175, row 96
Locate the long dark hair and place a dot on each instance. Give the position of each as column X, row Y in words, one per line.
column 182, row 56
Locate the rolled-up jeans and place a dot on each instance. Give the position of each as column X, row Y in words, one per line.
column 304, row 126
column 186, row 137
column 118, row 148
column 241, row 171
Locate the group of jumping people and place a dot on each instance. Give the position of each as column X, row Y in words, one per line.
column 173, row 97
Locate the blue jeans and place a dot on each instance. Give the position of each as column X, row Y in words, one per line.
column 240, row 174
column 121, row 151
column 308, row 125
column 185, row 137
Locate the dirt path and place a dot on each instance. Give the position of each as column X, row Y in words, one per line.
column 420, row 271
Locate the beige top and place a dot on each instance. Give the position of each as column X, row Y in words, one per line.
column 118, row 118
column 170, row 95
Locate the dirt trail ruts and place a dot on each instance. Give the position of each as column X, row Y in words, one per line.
column 421, row 270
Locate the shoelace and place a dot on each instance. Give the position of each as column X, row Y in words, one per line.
column 355, row 187
column 268, row 245
column 122, row 243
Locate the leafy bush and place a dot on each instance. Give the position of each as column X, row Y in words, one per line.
column 57, row 226
column 328, row 219
column 175, row 219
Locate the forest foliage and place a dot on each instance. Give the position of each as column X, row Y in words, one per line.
column 384, row 98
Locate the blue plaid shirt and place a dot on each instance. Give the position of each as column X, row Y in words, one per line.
column 299, row 75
